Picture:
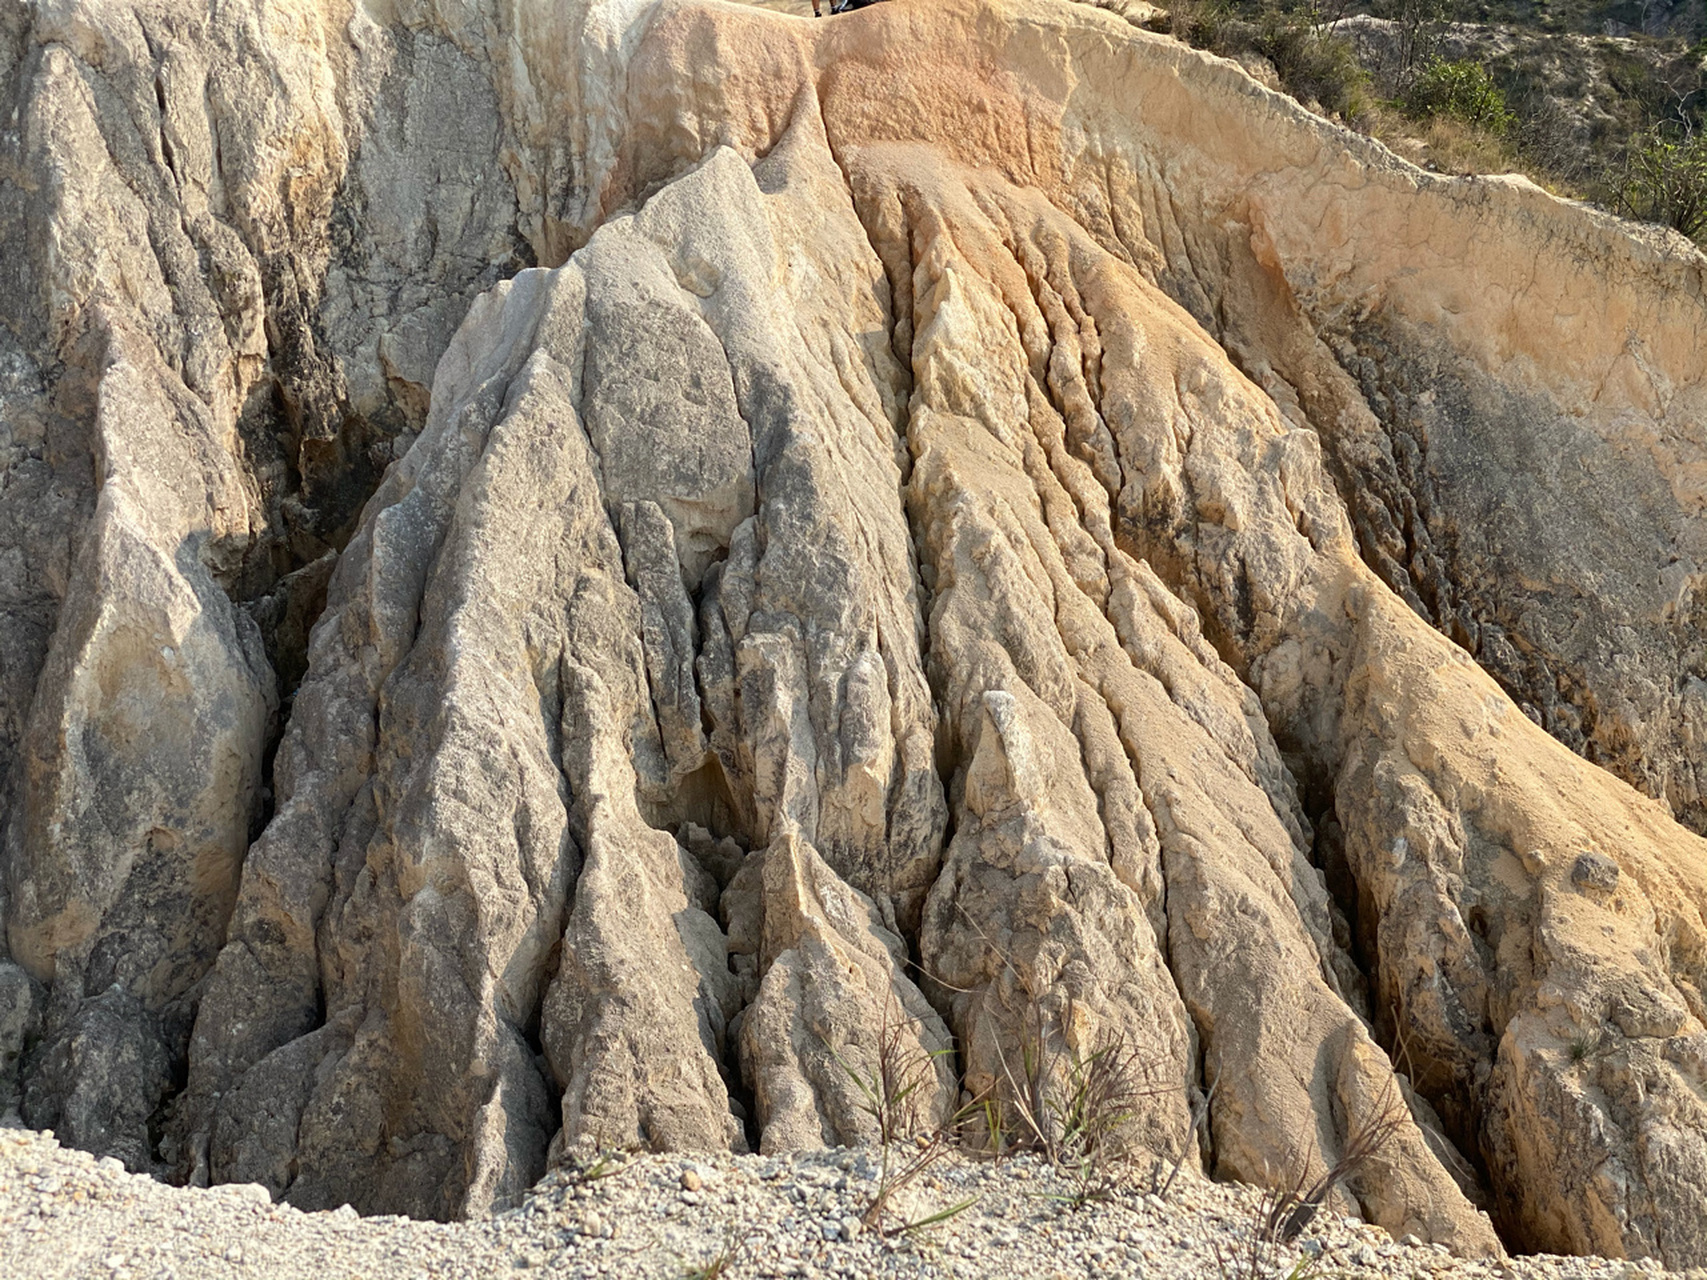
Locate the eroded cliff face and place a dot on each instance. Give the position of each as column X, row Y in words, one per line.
column 953, row 521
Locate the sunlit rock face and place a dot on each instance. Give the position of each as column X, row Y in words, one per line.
column 570, row 572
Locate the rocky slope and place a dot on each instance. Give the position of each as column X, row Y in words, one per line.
column 966, row 523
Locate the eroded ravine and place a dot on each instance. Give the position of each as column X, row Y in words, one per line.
column 852, row 578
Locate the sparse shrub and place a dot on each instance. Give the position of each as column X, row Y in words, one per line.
column 1542, row 135
column 908, row 1146
column 1663, row 179
column 1203, row 24
column 583, row 1166
column 1420, row 24
column 1291, row 1208
column 1314, row 64
column 1159, row 1185
column 1075, row 1109
column 1280, row 1215
column 718, row 1264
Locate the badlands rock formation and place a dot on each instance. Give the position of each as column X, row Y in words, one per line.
column 570, row 570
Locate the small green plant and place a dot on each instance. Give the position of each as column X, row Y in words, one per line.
column 994, row 1118
column 1071, row 1107
column 718, row 1264
column 892, row 1089
column 1280, row 1214
column 1584, row 1047
column 1253, row 1259
column 1292, row 1208
column 1075, row 1108
column 900, row 1165
column 1160, row 1186
column 1095, row 1113
column 585, row 1166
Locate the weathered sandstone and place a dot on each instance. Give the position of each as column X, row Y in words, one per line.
column 961, row 524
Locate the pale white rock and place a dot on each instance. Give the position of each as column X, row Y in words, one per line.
column 977, row 417
column 836, row 1022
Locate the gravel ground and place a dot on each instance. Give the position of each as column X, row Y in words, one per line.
column 63, row 1214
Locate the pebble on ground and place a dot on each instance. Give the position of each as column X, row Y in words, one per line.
column 63, row 1213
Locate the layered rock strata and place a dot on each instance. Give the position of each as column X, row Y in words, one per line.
column 991, row 534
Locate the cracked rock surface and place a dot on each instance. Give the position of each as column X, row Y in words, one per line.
column 571, row 576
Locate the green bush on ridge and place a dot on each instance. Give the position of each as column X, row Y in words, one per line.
column 1462, row 90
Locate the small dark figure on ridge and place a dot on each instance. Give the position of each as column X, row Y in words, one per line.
column 841, row 6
